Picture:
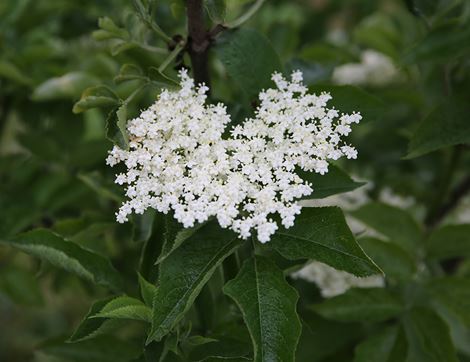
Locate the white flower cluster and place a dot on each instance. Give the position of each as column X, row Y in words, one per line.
column 177, row 159
column 375, row 69
column 332, row 282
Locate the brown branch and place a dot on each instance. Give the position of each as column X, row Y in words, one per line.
column 198, row 41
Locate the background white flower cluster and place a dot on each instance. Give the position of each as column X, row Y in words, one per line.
column 178, row 160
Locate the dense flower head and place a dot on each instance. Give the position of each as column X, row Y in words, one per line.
column 178, row 160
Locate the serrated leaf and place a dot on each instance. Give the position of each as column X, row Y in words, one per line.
column 69, row 256
column 387, row 345
column 449, row 241
column 184, row 273
column 322, row 234
column 336, row 181
column 393, row 260
column 96, row 97
column 249, row 59
column 147, row 290
column 350, row 99
column 428, row 337
column 445, row 126
column 268, row 304
column 394, row 223
column 361, row 305
column 70, row 85
column 125, row 307
column 92, row 327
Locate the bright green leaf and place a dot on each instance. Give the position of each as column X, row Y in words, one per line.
column 96, row 97
column 268, row 304
column 322, row 234
column 92, row 327
column 125, row 307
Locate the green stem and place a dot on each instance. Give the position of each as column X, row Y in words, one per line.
column 174, row 53
column 246, row 16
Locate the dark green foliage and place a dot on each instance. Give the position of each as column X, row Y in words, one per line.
column 77, row 286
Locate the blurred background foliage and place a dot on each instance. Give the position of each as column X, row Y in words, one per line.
column 54, row 141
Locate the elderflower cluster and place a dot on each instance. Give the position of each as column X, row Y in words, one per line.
column 332, row 282
column 178, row 160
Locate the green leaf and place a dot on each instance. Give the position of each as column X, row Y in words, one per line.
column 184, row 273
column 92, row 327
column 129, row 72
column 174, row 236
column 350, row 99
column 322, row 337
column 336, row 181
column 428, row 337
column 69, row 256
column 394, row 223
column 268, row 304
column 389, row 345
column 99, row 349
column 10, row 71
column 147, row 290
column 216, row 10
column 445, row 126
column 322, row 234
column 96, row 97
column 249, row 59
column 361, row 305
column 443, row 43
column 143, row 225
column 108, row 25
column 454, row 294
column 125, row 307
column 20, row 286
column 393, row 260
column 448, row 242
column 70, row 85
column 116, row 127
